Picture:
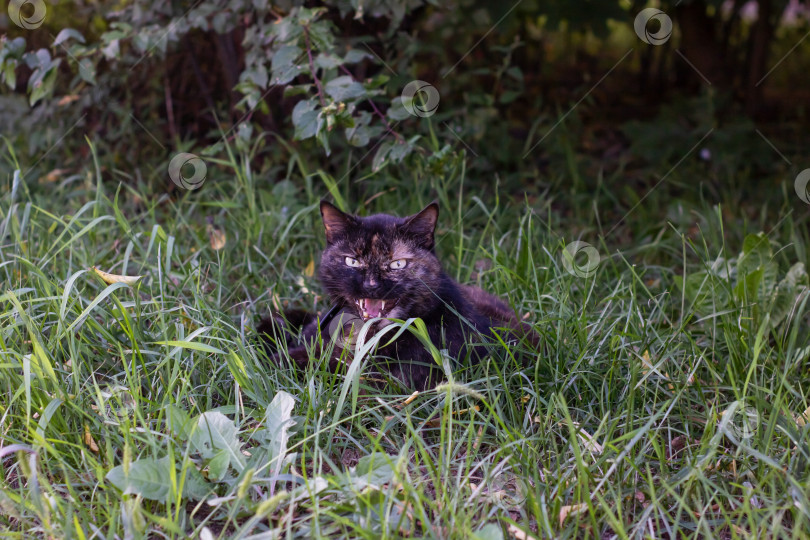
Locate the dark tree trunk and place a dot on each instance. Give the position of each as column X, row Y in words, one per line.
column 761, row 36
column 699, row 45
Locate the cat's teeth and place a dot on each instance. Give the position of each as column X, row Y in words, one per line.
column 383, row 306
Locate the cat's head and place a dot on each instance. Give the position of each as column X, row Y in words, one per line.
column 381, row 265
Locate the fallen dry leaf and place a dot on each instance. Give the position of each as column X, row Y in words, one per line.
column 309, row 271
column 645, row 359
column 567, row 510
column 54, row 175
column 89, row 441
column 216, row 237
column 115, row 278
column 519, row 534
column 65, row 100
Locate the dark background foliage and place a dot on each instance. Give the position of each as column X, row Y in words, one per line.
column 524, row 86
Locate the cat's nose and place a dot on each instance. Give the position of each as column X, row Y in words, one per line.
column 370, row 281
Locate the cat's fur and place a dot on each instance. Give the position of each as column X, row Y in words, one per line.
column 458, row 318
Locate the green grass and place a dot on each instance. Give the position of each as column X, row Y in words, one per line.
column 650, row 409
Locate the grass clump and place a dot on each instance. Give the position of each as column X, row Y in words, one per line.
column 668, row 395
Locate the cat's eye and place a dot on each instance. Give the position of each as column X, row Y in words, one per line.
column 398, row 264
column 354, row 263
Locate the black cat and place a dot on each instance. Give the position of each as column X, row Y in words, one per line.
column 383, row 266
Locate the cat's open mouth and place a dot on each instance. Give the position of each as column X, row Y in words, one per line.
column 370, row 308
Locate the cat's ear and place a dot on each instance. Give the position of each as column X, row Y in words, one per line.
column 422, row 225
column 335, row 222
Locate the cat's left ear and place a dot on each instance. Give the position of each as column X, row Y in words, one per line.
column 335, row 222
column 422, row 225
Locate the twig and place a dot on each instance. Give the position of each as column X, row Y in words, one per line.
column 312, row 68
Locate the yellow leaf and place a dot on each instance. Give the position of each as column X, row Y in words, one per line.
column 115, row 278
column 54, row 175
column 70, row 98
column 645, row 360
column 519, row 534
column 803, row 418
column 216, row 237
column 572, row 509
column 309, row 271
column 89, row 441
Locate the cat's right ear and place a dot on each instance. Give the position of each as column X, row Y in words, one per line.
column 335, row 222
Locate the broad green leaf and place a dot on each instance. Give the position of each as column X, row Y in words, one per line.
column 397, row 110
column 786, row 292
column 284, row 66
column 150, row 478
column 748, row 286
column 360, row 133
column 344, row 88
column 178, row 422
column 797, row 275
column 87, row 70
column 322, row 36
column 218, row 466
column 306, row 120
column 328, row 61
column 767, row 286
column 372, row 470
column 10, row 74
column 381, row 157
column 275, row 434
column 42, row 81
column 756, row 253
column 490, row 531
column 356, row 55
column 214, row 432
column 66, row 34
column 195, row 486
column 309, row 15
